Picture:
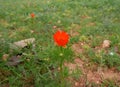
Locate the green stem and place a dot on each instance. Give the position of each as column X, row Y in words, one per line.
column 61, row 67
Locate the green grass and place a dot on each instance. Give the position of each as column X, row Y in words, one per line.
column 99, row 20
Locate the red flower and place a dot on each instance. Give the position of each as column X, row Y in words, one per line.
column 32, row 15
column 61, row 38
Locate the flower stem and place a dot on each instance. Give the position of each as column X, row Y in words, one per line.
column 61, row 68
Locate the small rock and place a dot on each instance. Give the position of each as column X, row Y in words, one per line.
column 5, row 57
column 54, row 27
column 76, row 84
column 28, row 60
column 31, row 31
column 14, row 60
column 106, row 44
column 22, row 43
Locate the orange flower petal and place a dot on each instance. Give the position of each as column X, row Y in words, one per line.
column 61, row 38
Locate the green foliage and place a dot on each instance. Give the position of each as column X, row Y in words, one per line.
column 98, row 20
column 112, row 60
column 60, row 54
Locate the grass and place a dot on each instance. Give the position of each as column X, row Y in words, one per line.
column 95, row 21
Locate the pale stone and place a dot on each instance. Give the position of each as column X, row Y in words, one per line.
column 22, row 43
column 106, row 44
column 5, row 57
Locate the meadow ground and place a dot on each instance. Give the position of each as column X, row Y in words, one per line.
column 90, row 59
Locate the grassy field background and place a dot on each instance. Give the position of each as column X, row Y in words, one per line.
column 89, row 22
